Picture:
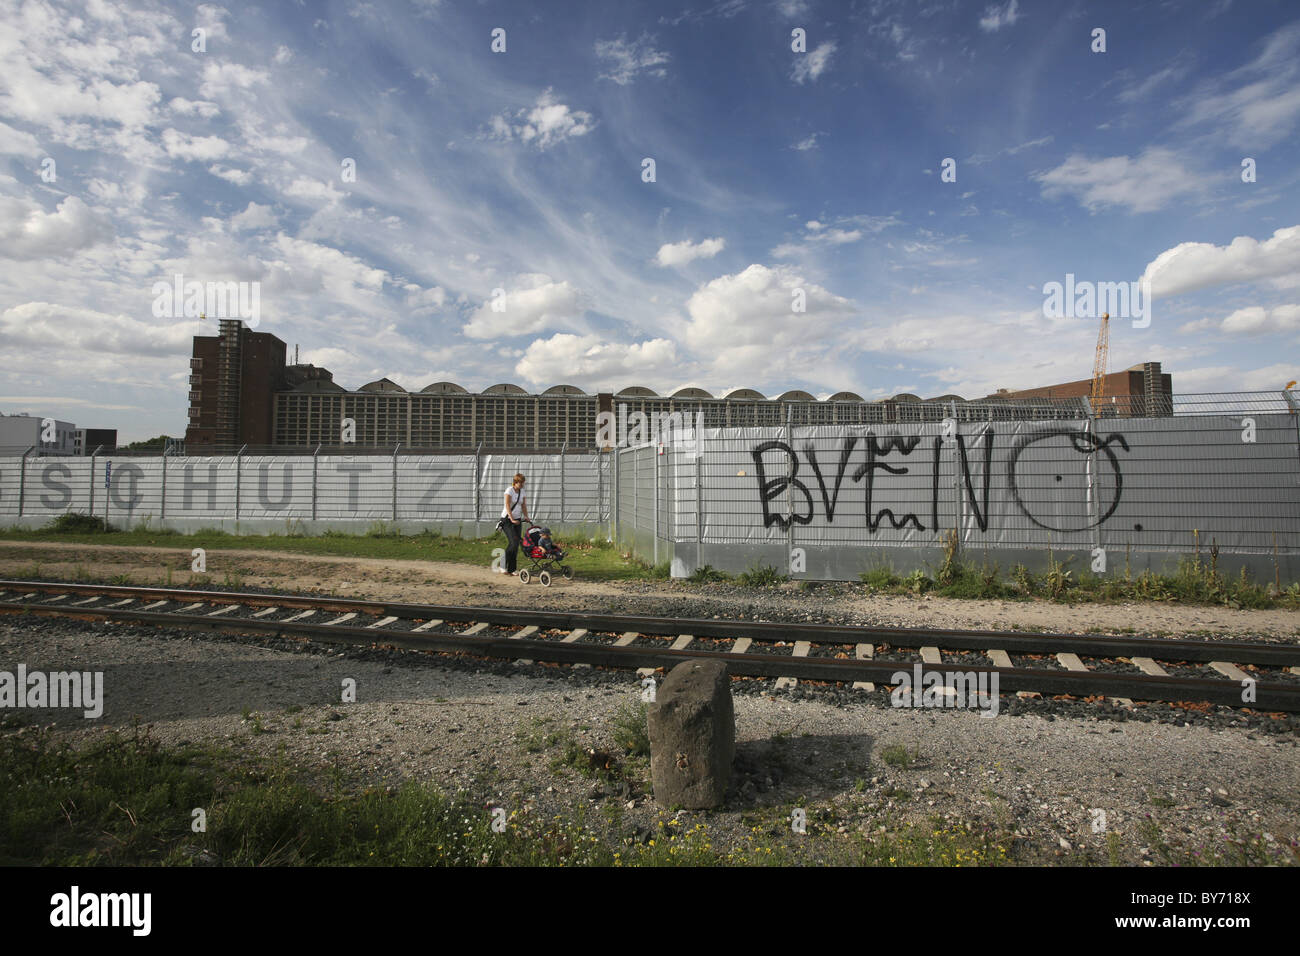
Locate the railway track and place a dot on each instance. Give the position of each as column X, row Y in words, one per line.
column 1078, row 665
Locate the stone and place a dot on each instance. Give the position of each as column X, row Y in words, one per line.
column 692, row 728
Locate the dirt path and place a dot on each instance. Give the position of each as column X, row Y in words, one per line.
column 451, row 583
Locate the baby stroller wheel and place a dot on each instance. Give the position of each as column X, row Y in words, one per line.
column 523, row 577
column 545, row 578
column 568, row 573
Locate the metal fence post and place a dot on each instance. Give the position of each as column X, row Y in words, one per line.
column 699, row 483
column 93, row 455
column 789, row 486
column 315, row 457
column 613, row 496
column 162, row 494
column 22, row 479
column 563, row 447
column 395, row 448
column 636, row 494
column 239, row 458
column 654, row 511
column 958, row 503
column 478, row 485
column 1090, row 429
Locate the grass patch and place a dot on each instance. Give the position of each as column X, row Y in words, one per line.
column 761, row 576
column 632, row 729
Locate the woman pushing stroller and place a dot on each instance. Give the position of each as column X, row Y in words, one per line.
column 515, row 511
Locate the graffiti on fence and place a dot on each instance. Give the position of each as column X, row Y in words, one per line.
column 892, row 456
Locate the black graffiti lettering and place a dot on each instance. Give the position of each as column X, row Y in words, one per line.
column 934, row 484
column 263, row 487
column 981, row 516
column 770, row 489
column 874, row 450
column 1085, row 443
column 829, row 502
column 48, row 479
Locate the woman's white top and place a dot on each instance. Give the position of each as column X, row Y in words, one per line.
column 516, row 504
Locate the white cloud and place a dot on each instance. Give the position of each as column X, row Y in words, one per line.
column 29, row 232
column 1252, row 320
column 588, row 359
column 72, row 329
column 1189, row 266
column 626, row 59
column 254, row 217
column 680, row 253
column 809, row 66
column 222, row 78
column 533, row 303
column 1145, row 184
column 754, row 307
column 995, row 17
column 545, row 124
column 425, row 301
column 806, row 144
column 1259, row 104
column 184, row 107
column 239, row 177
column 14, row 142
column 793, row 8
column 194, row 148
column 211, row 17
column 313, row 190
column 282, row 55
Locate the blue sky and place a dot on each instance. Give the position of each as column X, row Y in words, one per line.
column 522, row 171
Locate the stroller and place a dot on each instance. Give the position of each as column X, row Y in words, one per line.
column 545, row 555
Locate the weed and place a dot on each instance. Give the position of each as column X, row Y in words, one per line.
column 631, row 729
column 761, row 576
column 707, row 573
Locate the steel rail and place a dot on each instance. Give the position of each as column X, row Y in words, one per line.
column 1092, row 645
column 1268, row 696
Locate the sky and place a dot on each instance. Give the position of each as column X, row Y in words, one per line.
column 868, row 195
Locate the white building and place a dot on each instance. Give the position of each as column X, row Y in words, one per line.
column 20, row 432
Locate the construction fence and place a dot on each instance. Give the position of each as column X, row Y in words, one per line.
column 1114, row 491
column 1220, row 475
column 454, row 494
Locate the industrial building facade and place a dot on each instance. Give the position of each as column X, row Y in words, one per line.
column 243, row 393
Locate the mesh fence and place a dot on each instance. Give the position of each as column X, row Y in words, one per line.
column 1218, row 470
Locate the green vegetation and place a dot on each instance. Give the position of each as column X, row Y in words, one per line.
column 707, row 573
column 632, row 730
column 1197, row 579
column 593, row 558
column 761, row 576
column 897, row 755
column 75, row 523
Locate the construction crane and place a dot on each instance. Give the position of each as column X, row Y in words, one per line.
column 1099, row 364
